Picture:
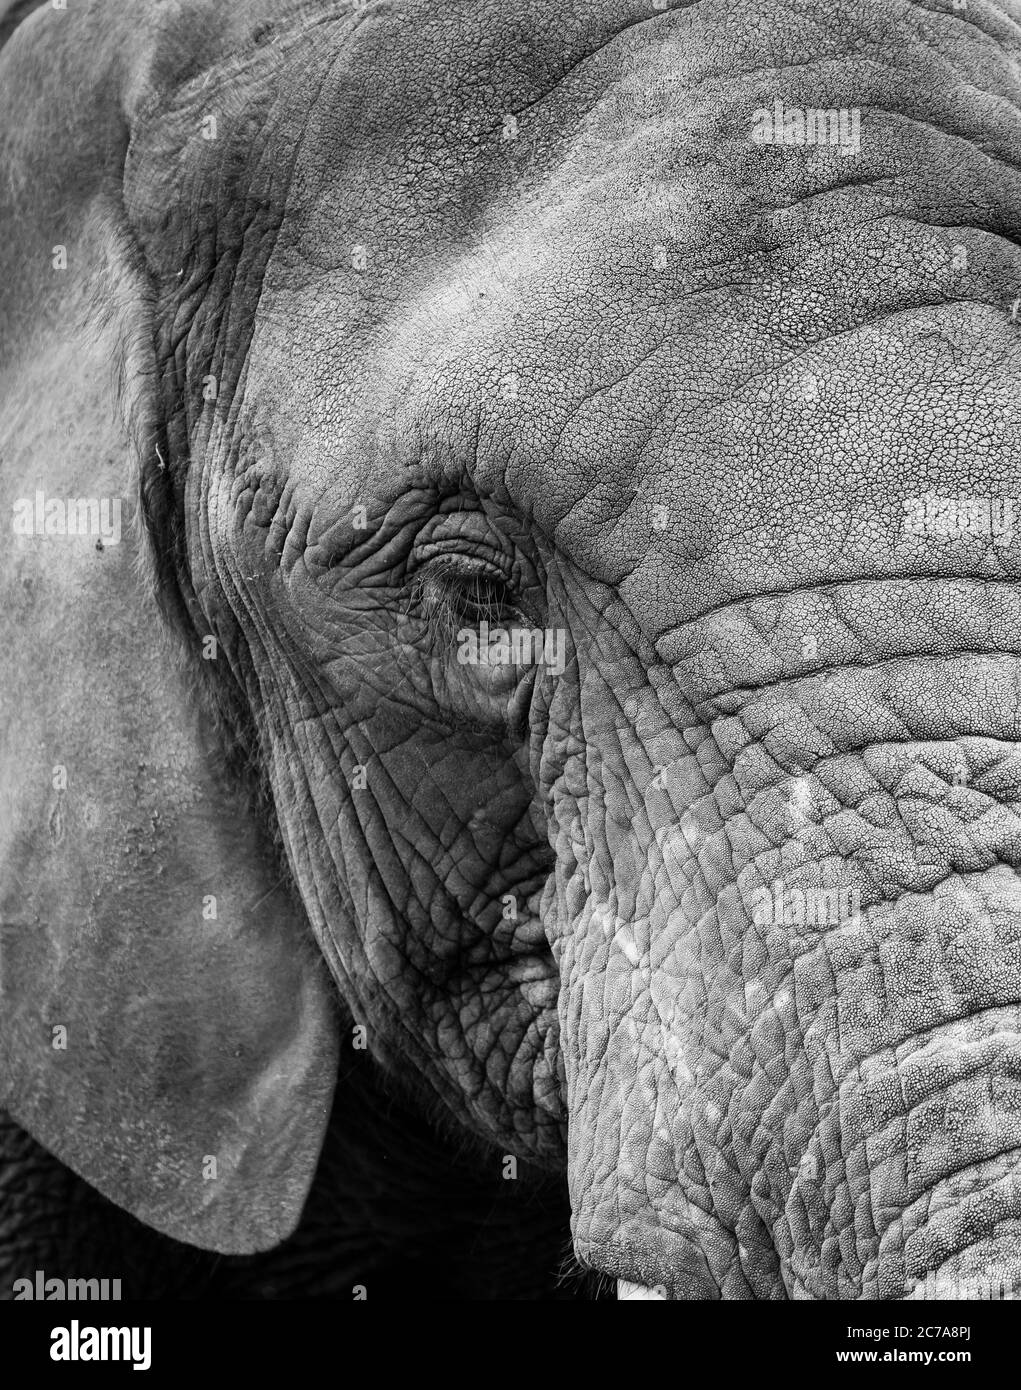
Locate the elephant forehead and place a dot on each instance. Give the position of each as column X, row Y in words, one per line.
column 548, row 252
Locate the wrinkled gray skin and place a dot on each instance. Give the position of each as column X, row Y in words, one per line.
column 694, row 465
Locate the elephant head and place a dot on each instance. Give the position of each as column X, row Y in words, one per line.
column 512, row 552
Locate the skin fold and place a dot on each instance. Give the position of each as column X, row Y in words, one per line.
column 395, row 320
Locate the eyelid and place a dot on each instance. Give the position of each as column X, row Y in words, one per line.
column 465, row 547
column 466, row 569
column 456, row 559
column 455, row 581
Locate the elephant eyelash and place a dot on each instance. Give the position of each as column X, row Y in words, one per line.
column 455, row 593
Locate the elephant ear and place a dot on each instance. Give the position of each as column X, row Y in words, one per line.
column 166, row 1027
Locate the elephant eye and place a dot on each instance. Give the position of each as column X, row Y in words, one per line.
column 457, row 591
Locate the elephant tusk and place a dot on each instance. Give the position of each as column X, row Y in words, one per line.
column 626, row 1290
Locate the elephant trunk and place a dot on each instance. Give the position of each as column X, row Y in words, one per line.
column 791, row 962
column 920, row 1194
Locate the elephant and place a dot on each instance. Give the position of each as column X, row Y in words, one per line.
column 511, row 705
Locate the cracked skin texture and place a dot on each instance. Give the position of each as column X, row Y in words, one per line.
column 673, row 389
